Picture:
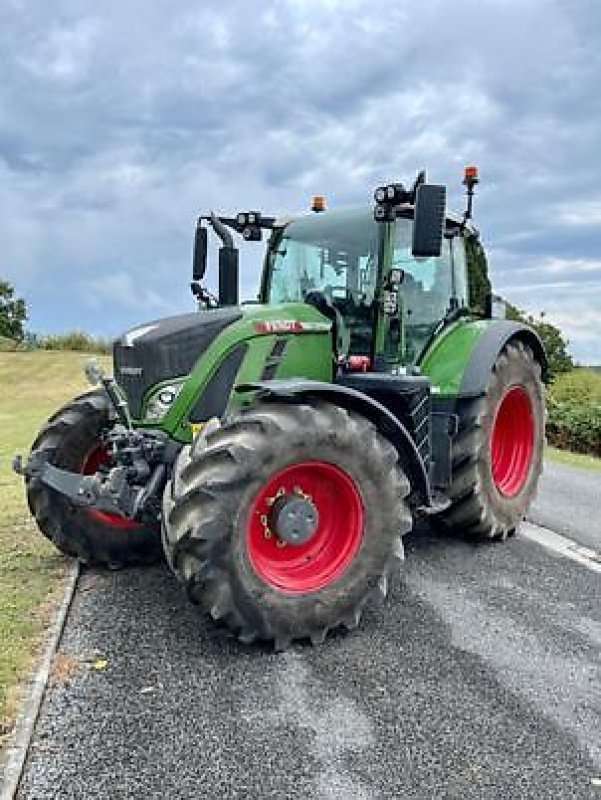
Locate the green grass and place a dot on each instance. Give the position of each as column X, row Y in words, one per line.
column 575, row 459
column 32, row 386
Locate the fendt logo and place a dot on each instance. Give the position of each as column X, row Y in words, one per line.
column 135, row 372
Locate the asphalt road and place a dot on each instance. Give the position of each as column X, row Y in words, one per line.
column 569, row 502
column 480, row 677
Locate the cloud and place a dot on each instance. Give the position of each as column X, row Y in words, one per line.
column 581, row 212
column 119, row 290
column 63, row 54
column 119, row 125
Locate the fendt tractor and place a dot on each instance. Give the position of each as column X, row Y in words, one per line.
column 278, row 451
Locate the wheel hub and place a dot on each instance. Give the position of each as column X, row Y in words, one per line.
column 308, row 549
column 294, row 519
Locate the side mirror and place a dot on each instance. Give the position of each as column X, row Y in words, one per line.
column 429, row 220
column 199, row 257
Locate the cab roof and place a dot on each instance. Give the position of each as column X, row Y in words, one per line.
column 454, row 219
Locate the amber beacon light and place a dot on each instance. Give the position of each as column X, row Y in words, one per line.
column 470, row 175
column 318, row 203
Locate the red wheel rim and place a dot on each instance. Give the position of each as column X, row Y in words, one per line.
column 512, row 441
column 95, row 459
column 326, row 555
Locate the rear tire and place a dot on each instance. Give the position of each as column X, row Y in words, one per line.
column 498, row 450
column 71, row 440
column 219, row 536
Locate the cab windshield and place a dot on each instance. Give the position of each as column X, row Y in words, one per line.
column 334, row 253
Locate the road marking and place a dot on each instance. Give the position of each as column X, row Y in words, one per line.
column 562, row 545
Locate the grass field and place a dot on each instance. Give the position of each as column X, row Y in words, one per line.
column 575, row 459
column 32, row 386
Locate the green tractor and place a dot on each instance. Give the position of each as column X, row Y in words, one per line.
column 278, row 451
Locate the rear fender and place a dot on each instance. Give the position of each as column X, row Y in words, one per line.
column 294, row 391
column 487, row 350
column 460, row 360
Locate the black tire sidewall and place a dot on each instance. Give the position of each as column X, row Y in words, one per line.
column 269, row 606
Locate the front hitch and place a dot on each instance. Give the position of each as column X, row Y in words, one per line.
column 129, row 488
column 130, row 484
column 109, row 492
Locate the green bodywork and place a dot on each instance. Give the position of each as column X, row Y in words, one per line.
column 308, row 354
column 445, row 361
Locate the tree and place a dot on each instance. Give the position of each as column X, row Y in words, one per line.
column 13, row 313
column 479, row 286
column 552, row 338
column 477, row 270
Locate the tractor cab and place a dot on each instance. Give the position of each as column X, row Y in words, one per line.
column 387, row 301
column 388, row 277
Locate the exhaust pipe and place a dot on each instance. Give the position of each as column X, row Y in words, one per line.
column 228, row 265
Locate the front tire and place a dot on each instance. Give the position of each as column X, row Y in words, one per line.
column 71, row 440
column 498, row 451
column 328, row 467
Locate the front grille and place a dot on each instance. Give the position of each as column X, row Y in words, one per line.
column 165, row 349
column 131, row 377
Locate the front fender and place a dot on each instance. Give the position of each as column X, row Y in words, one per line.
column 293, row 390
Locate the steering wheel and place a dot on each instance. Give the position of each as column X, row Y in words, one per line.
column 330, row 293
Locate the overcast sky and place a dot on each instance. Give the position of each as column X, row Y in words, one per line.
column 121, row 120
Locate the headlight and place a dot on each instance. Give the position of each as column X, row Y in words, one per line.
column 161, row 400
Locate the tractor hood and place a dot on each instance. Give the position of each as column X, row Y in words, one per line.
column 163, row 349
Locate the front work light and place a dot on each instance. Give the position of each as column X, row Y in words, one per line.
column 392, row 193
column 161, row 400
column 387, row 197
column 248, row 219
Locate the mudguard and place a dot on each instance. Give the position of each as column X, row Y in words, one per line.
column 460, row 359
column 293, row 391
column 487, row 350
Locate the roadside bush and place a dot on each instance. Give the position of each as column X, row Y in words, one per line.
column 580, row 386
column 556, row 345
column 74, row 340
column 7, row 344
column 574, row 406
column 576, row 428
column 13, row 345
